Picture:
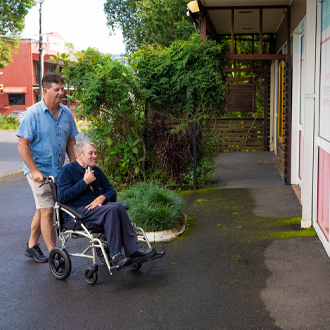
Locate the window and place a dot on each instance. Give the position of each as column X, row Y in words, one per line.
column 51, row 68
column 16, row 99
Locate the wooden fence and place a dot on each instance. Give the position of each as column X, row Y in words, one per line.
column 237, row 134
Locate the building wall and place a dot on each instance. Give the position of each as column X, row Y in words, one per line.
column 18, row 74
column 21, row 72
column 297, row 14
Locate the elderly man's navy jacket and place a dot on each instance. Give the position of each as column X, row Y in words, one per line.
column 74, row 191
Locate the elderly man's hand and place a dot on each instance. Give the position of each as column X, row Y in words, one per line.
column 89, row 177
column 96, row 202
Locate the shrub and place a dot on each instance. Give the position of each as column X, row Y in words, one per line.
column 169, row 153
column 8, row 122
column 184, row 79
column 107, row 94
column 153, row 208
column 204, row 172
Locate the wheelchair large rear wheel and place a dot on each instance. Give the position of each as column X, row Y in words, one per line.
column 59, row 263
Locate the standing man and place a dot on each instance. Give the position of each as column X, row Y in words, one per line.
column 47, row 131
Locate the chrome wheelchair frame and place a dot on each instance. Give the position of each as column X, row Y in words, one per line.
column 59, row 259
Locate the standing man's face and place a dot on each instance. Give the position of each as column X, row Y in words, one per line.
column 54, row 94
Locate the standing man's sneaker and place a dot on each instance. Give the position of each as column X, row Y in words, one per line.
column 35, row 253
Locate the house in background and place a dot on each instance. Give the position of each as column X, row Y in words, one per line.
column 19, row 81
column 297, row 86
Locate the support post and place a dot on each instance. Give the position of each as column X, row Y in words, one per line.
column 288, row 31
column 195, row 155
column 203, row 24
column 232, row 31
column 260, row 30
column 266, row 110
column 309, row 116
column 41, row 52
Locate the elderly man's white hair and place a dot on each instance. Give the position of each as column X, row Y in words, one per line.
column 80, row 147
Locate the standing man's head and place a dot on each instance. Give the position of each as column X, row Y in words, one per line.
column 53, row 88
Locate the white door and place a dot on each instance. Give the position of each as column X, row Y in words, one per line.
column 321, row 180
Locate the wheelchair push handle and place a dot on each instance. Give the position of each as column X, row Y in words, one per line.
column 48, row 179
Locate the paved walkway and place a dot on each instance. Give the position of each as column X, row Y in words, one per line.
column 231, row 269
column 295, row 280
column 247, row 170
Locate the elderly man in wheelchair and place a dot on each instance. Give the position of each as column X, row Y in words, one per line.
column 83, row 186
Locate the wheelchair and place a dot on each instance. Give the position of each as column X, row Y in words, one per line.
column 59, row 258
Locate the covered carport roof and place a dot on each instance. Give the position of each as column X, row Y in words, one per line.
column 246, row 15
column 238, row 17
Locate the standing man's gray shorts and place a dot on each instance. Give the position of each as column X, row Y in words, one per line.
column 42, row 196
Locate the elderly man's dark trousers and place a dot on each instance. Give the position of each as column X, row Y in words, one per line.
column 117, row 226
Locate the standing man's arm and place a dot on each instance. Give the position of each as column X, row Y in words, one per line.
column 25, row 152
column 69, row 149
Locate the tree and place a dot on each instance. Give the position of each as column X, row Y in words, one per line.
column 107, row 93
column 149, row 21
column 12, row 20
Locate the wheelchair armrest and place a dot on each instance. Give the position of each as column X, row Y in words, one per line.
column 78, row 215
column 122, row 203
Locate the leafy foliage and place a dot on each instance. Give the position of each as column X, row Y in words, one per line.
column 170, row 153
column 185, row 78
column 205, row 170
column 152, row 207
column 107, row 93
column 149, row 21
column 12, row 20
column 8, row 122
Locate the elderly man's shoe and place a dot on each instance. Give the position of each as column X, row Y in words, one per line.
column 35, row 253
column 143, row 253
column 120, row 260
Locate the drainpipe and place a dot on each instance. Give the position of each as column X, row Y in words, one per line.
column 309, row 116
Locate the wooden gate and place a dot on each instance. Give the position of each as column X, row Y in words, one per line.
column 238, row 134
column 240, row 97
column 242, row 134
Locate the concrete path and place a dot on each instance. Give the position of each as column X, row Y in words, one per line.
column 247, row 170
column 230, row 270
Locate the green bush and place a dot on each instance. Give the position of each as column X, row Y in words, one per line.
column 8, row 122
column 204, row 172
column 184, row 79
column 153, row 208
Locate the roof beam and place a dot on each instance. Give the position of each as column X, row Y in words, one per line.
column 251, row 57
column 246, row 7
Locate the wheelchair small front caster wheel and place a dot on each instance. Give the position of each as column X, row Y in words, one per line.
column 91, row 278
column 59, row 263
column 136, row 266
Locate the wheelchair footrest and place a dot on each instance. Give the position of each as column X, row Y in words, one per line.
column 156, row 256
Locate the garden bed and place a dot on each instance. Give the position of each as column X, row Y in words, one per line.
column 168, row 235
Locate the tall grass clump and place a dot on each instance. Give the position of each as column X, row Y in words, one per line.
column 153, row 208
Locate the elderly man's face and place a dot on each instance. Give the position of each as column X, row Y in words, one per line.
column 88, row 157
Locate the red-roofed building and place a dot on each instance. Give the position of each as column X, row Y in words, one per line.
column 19, row 81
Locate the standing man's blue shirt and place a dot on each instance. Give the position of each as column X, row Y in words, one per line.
column 48, row 136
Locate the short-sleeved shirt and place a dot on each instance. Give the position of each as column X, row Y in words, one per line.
column 48, row 136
